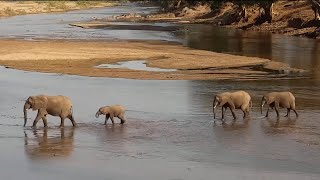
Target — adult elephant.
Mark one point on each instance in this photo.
(54, 105)
(279, 99)
(233, 100)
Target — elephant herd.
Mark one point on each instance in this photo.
(242, 100)
(62, 106)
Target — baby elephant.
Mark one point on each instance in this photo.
(112, 111)
(233, 100)
(279, 99)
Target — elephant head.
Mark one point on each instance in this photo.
(34, 102)
(218, 100)
(98, 114)
(263, 102)
(267, 99)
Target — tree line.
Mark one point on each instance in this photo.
(266, 6)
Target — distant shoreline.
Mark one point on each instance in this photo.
(14, 8)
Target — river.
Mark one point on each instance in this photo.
(170, 132)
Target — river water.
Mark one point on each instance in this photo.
(170, 132)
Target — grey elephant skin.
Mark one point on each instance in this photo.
(233, 100)
(53, 105)
(111, 112)
(279, 100)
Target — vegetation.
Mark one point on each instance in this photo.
(265, 5)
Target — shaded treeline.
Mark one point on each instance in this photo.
(265, 6)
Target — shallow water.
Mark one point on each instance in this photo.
(134, 65)
(170, 132)
(169, 135)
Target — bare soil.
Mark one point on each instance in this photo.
(80, 58)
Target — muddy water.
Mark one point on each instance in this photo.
(169, 135)
(170, 132)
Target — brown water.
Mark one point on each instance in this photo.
(297, 52)
(170, 132)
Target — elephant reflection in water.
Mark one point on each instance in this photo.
(289, 123)
(43, 146)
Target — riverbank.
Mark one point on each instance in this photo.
(295, 18)
(81, 58)
(12, 8)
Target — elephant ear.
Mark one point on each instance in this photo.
(270, 99)
(223, 100)
(38, 102)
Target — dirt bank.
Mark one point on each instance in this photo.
(80, 58)
(288, 17)
(9, 8)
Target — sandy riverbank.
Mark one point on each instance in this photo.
(9, 8)
(80, 58)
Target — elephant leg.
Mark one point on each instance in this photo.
(123, 120)
(61, 122)
(288, 112)
(111, 117)
(222, 111)
(297, 115)
(233, 113)
(267, 114)
(36, 119)
(244, 114)
(44, 119)
(277, 108)
(244, 110)
(106, 119)
(72, 120)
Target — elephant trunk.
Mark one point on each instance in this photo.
(215, 103)
(25, 108)
(263, 102)
(98, 114)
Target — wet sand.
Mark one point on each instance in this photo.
(81, 57)
(169, 134)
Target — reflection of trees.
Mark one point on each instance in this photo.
(40, 145)
(315, 58)
(217, 39)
